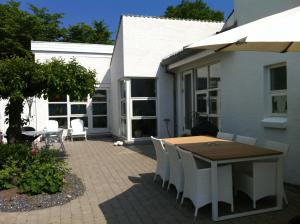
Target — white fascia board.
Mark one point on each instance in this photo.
(44, 46)
(190, 59)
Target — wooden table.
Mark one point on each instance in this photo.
(218, 151)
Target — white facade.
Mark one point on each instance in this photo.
(245, 95)
(141, 44)
(92, 56)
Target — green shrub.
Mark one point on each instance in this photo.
(9, 176)
(31, 173)
(43, 177)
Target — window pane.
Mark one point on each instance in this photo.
(100, 122)
(201, 103)
(278, 78)
(279, 104)
(144, 108)
(214, 76)
(143, 128)
(188, 101)
(214, 120)
(202, 76)
(100, 96)
(123, 89)
(78, 109)
(143, 88)
(62, 122)
(57, 98)
(99, 109)
(213, 102)
(123, 108)
(57, 109)
(85, 120)
(72, 99)
(123, 128)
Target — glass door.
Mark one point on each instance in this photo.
(188, 100)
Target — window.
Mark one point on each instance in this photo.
(58, 109)
(64, 109)
(99, 109)
(207, 95)
(143, 101)
(123, 108)
(278, 89)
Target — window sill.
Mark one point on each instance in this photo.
(275, 122)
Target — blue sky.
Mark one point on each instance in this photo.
(110, 10)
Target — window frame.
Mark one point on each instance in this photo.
(272, 93)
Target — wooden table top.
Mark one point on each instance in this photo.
(217, 149)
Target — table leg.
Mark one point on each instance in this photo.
(279, 178)
(214, 191)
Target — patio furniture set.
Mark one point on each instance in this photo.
(53, 134)
(211, 170)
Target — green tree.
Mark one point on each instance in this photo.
(18, 28)
(98, 33)
(193, 10)
(21, 78)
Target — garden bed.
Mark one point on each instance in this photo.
(12, 201)
(32, 179)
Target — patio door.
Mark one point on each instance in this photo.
(187, 96)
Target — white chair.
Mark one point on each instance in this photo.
(53, 134)
(260, 181)
(245, 140)
(176, 170)
(225, 136)
(162, 166)
(197, 182)
(77, 129)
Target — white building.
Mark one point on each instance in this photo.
(248, 93)
(144, 88)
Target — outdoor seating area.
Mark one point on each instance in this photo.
(223, 167)
(120, 189)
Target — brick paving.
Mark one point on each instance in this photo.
(119, 189)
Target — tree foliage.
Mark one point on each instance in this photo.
(98, 33)
(21, 78)
(19, 27)
(193, 10)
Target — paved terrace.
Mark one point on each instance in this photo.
(119, 189)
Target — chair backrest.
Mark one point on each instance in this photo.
(52, 125)
(173, 156)
(159, 149)
(279, 146)
(245, 140)
(189, 166)
(77, 125)
(225, 136)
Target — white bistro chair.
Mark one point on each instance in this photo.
(225, 136)
(176, 169)
(77, 129)
(245, 140)
(53, 134)
(197, 182)
(260, 181)
(162, 165)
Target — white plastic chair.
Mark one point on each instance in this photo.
(162, 166)
(53, 134)
(197, 182)
(245, 140)
(225, 136)
(77, 129)
(260, 182)
(176, 169)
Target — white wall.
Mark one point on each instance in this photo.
(249, 10)
(145, 42)
(116, 72)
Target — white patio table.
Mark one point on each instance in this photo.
(217, 151)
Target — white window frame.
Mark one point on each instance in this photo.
(273, 93)
(208, 95)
